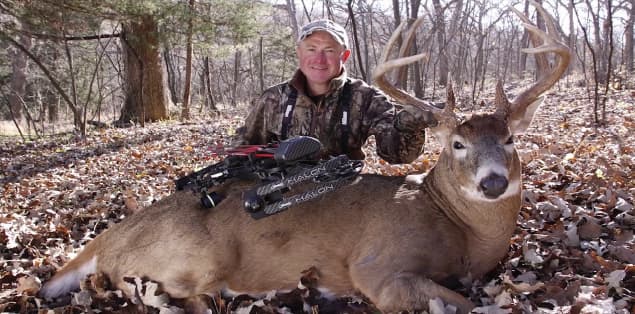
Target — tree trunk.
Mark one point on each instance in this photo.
(400, 74)
(542, 64)
(50, 98)
(444, 68)
(628, 42)
(416, 71)
(18, 78)
(170, 67)
(293, 21)
(146, 95)
(572, 36)
(185, 109)
(351, 13)
(522, 66)
(366, 33)
(209, 95)
(237, 61)
(598, 45)
(261, 65)
(478, 62)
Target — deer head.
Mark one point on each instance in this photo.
(481, 148)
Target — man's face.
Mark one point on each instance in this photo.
(321, 58)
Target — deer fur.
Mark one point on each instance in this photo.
(382, 236)
(385, 237)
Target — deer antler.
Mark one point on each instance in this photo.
(551, 43)
(517, 107)
(443, 116)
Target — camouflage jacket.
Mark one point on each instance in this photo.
(371, 113)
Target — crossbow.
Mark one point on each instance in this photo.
(278, 167)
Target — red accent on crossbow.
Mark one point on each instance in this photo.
(258, 151)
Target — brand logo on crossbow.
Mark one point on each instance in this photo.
(313, 172)
(315, 193)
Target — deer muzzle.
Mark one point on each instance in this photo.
(493, 185)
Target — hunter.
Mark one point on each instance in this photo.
(322, 101)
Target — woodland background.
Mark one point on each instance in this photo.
(104, 103)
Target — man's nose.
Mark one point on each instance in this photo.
(321, 56)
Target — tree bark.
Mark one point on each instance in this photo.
(400, 74)
(51, 99)
(293, 21)
(572, 36)
(628, 42)
(599, 44)
(18, 77)
(170, 67)
(351, 13)
(209, 95)
(146, 95)
(366, 34)
(522, 65)
(237, 62)
(185, 109)
(417, 77)
(439, 22)
(261, 65)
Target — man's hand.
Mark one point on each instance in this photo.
(411, 119)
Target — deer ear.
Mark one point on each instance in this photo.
(520, 119)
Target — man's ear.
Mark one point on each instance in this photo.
(345, 55)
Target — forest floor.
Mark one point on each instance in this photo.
(573, 250)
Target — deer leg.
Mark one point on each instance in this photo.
(409, 291)
(197, 305)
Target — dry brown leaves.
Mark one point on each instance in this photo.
(573, 250)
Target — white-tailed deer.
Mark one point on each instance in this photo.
(391, 240)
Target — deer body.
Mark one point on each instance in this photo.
(392, 240)
(382, 236)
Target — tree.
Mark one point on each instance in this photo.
(355, 38)
(146, 93)
(185, 110)
(628, 34)
(18, 77)
(439, 25)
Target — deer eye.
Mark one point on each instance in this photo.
(510, 141)
(458, 145)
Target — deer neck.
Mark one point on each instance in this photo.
(487, 225)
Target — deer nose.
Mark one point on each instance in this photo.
(494, 185)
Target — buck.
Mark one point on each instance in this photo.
(391, 240)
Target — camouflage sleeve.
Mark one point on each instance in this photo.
(400, 135)
(255, 129)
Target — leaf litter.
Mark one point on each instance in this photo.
(573, 249)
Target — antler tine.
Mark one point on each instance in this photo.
(407, 46)
(501, 102)
(550, 44)
(391, 42)
(385, 65)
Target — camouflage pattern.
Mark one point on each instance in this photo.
(399, 135)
